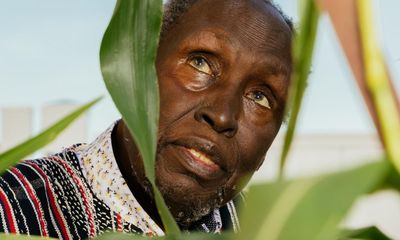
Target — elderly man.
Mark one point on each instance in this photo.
(223, 68)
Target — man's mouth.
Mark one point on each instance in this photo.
(202, 158)
(198, 162)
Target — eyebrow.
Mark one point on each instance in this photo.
(275, 65)
(219, 41)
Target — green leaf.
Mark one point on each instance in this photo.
(370, 233)
(303, 46)
(21, 237)
(309, 208)
(122, 236)
(16, 154)
(391, 180)
(127, 58)
(379, 85)
(187, 236)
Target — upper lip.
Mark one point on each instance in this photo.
(206, 147)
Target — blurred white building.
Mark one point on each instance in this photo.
(76, 133)
(18, 125)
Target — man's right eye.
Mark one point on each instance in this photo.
(259, 98)
(201, 64)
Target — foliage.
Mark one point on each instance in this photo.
(379, 84)
(127, 57)
(191, 236)
(20, 237)
(368, 233)
(309, 208)
(303, 46)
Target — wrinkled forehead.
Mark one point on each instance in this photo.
(254, 24)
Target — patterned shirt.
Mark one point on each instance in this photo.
(81, 193)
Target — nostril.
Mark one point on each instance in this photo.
(230, 132)
(220, 122)
(208, 120)
(219, 125)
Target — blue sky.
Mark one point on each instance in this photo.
(49, 53)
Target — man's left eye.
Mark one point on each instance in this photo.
(200, 64)
(259, 98)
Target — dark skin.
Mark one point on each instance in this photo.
(223, 73)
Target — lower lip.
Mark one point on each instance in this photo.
(207, 171)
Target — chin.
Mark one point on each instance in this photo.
(187, 200)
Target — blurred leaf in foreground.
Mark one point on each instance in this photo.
(379, 85)
(4, 236)
(303, 47)
(127, 57)
(16, 154)
(309, 208)
(187, 236)
(391, 181)
(354, 25)
(370, 233)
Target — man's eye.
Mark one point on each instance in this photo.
(201, 64)
(259, 98)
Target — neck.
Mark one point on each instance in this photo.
(132, 169)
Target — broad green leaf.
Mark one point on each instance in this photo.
(309, 208)
(21, 237)
(392, 180)
(370, 233)
(378, 83)
(123, 236)
(127, 58)
(303, 46)
(187, 236)
(16, 154)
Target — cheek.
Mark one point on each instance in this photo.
(180, 88)
(255, 142)
(175, 100)
(256, 117)
(264, 121)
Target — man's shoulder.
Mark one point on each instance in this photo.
(46, 168)
(54, 171)
(41, 196)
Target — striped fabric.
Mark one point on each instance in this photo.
(80, 193)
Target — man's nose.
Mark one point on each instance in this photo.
(221, 114)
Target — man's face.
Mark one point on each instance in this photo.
(223, 73)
